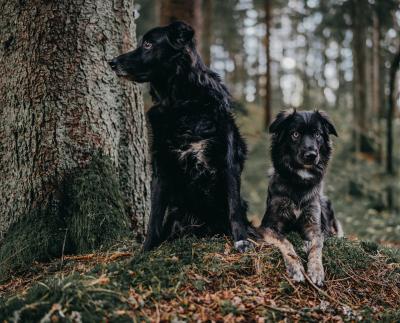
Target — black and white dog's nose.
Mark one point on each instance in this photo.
(310, 156)
(113, 63)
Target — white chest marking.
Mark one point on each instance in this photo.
(304, 174)
(297, 212)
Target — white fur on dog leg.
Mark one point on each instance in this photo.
(242, 245)
(295, 272)
(316, 274)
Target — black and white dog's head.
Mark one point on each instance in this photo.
(301, 146)
(157, 53)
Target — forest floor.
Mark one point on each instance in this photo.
(193, 279)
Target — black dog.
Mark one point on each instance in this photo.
(198, 153)
(300, 149)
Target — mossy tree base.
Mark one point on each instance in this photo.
(88, 215)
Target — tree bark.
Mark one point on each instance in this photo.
(376, 82)
(73, 165)
(268, 87)
(390, 114)
(207, 31)
(189, 11)
(359, 80)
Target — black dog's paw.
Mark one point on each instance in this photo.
(243, 245)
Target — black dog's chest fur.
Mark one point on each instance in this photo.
(184, 140)
(189, 152)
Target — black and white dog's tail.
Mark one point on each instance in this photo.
(330, 224)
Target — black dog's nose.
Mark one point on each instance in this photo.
(310, 156)
(113, 63)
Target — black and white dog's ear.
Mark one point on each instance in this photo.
(280, 120)
(180, 34)
(327, 123)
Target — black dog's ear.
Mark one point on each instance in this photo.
(280, 120)
(326, 121)
(180, 34)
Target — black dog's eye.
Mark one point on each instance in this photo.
(147, 45)
(295, 135)
(317, 134)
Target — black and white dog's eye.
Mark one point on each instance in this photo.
(147, 45)
(317, 135)
(295, 135)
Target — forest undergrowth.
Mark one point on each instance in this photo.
(194, 279)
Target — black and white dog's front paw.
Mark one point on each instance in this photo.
(243, 245)
(316, 273)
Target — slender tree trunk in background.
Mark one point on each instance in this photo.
(306, 78)
(268, 87)
(73, 164)
(207, 31)
(376, 82)
(390, 114)
(341, 80)
(359, 80)
(189, 11)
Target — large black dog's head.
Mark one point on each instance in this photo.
(153, 58)
(301, 146)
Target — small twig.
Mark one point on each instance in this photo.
(157, 312)
(63, 248)
(255, 242)
(322, 291)
(281, 309)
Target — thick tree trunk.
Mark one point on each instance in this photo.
(188, 11)
(268, 88)
(390, 114)
(73, 163)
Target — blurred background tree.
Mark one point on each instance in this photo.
(341, 56)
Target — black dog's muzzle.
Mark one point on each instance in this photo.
(113, 64)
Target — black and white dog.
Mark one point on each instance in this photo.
(198, 152)
(300, 150)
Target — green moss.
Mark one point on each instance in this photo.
(228, 307)
(341, 255)
(89, 216)
(165, 266)
(93, 206)
(37, 237)
(370, 247)
(393, 255)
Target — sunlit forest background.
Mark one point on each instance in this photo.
(340, 56)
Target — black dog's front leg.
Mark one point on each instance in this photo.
(237, 211)
(158, 206)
